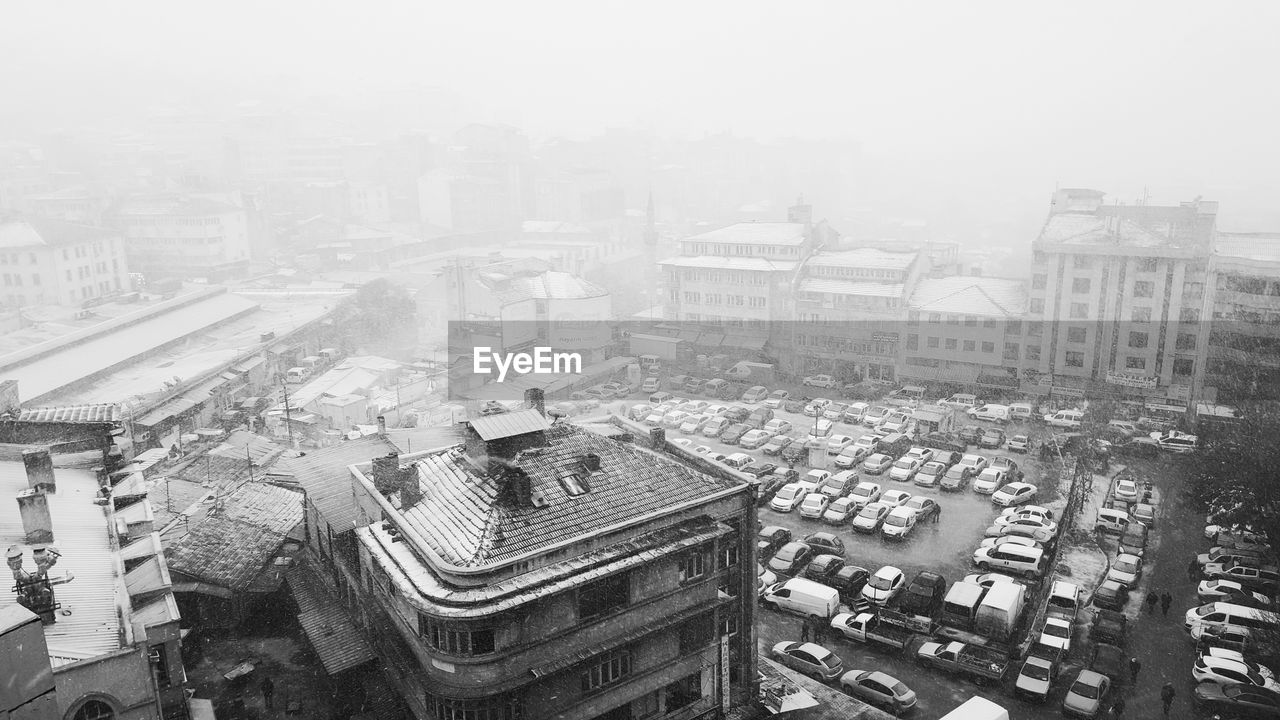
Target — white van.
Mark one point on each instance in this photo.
(737, 461)
(1219, 613)
(651, 385)
(1019, 559)
(297, 375)
(659, 397)
(961, 401)
(803, 597)
(1022, 411)
(991, 412)
(1112, 521)
(329, 355)
(1064, 419)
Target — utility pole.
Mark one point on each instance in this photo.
(287, 422)
(248, 457)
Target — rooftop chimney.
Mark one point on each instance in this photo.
(536, 399)
(389, 477)
(33, 506)
(382, 426)
(39, 466)
(591, 462)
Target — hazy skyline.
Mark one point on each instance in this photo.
(1172, 95)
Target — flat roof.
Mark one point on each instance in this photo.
(867, 258)
(96, 597)
(755, 233)
(721, 262)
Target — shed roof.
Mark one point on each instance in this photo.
(502, 425)
(326, 476)
(93, 413)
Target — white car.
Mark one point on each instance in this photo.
(895, 423)
(1126, 569)
(1010, 540)
(840, 510)
(816, 406)
(836, 444)
(754, 439)
(682, 442)
(850, 457)
(875, 415)
(693, 424)
(834, 411)
(1056, 633)
(1037, 510)
(1035, 678)
(899, 523)
(923, 454)
(1030, 519)
(778, 426)
(887, 582)
(1013, 494)
(1127, 490)
(822, 381)
(1224, 671)
(1175, 442)
(814, 505)
(702, 449)
(865, 494)
(695, 406)
(655, 418)
(990, 480)
(788, 497)
(814, 479)
(904, 469)
(986, 580)
(894, 498)
(975, 461)
(776, 399)
(1232, 592)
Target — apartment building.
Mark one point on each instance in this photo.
(965, 331)
(1243, 353)
(1118, 296)
(185, 236)
(44, 261)
(540, 570)
(849, 307)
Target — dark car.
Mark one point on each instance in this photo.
(924, 595)
(822, 567)
(760, 470)
(1139, 447)
(1109, 626)
(794, 406)
(1110, 661)
(970, 434)
(825, 542)
(945, 442)
(849, 581)
(1134, 539)
(770, 538)
(947, 457)
(926, 508)
(1239, 699)
(790, 558)
(734, 433)
(771, 484)
(737, 414)
(991, 438)
(956, 477)
(1111, 595)
(795, 452)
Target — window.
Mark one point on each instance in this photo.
(1038, 281)
(1189, 314)
(160, 663)
(951, 343)
(1144, 288)
(970, 321)
(684, 692)
(1141, 314)
(1033, 352)
(1075, 358)
(1037, 305)
(1082, 262)
(603, 596)
(1137, 339)
(1011, 352)
(730, 555)
(1077, 334)
(1186, 341)
(501, 707)
(1080, 286)
(932, 342)
(1013, 327)
(988, 347)
(1147, 265)
(611, 669)
(935, 317)
(913, 342)
(693, 565)
(1183, 366)
(1079, 310)
(94, 710)
(455, 640)
(1135, 363)
(696, 633)
(970, 345)
(953, 319)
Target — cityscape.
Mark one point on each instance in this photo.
(532, 363)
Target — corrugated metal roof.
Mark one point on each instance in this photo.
(502, 425)
(332, 634)
(755, 233)
(95, 413)
(81, 533)
(324, 474)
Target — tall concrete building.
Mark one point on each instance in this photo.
(185, 236)
(1118, 298)
(45, 261)
(965, 331)
(542, 570)
(1243, 353)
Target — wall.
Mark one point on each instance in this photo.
(122, 679)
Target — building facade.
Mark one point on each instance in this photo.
(44, 261)
(1243, 355)
(184, 236)
(965, 331)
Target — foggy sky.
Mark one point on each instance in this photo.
(1177, 95)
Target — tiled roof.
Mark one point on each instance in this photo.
(866, 258)
(964, 295)
(755, 233)
(324, 474)
(493, 427)
(464, 521)
(731, 263)
(33, 231)
(217, 469)
(101, 412)
(262, 451)
(332, 634)
(849, 287)
(224, 552)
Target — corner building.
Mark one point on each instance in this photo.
(543, 570)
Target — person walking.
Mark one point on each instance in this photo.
(819, 633)
(1134, 667)
(1152, 599)
(1167, 694)
(1165, 601)
(1193, 569)
(268, 690)
(804, 630)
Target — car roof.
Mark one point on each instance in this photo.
(1090, 677)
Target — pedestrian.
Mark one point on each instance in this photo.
(1193, 569)
(819, 632)
(804, 630)
(1117, 708)
(1134, 667)
(1167, 694)
(937, 515)
(1165, 601)
(268, 689)
(1152, 599)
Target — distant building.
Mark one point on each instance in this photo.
(185, 236)
(1242, 348)
(44, 261)
(543, 570)
(965, 331)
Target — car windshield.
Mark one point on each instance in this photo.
(1126, 566)
(788, 552)
(880, 582)
(1035, 672)
(896, 520)
(903, 464)
(869, 512)
(861, 491)
(1085, 690)
(1057, 630)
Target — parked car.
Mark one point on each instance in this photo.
(769, 538)
(970, 434)
(776, 399)
(790, 558)
(815, 407)
(834, 411)
(877, 464)
(1019, 443)
(825, 542)
(851, 456)
(956, 477)
(990, 480)
(1086, 695)
(870, 517)
(1230, 591)
(930, 474)
(840, 510)
(898, 523)
(865, 493)
(1013, 494)
(754, 439)
(925, 508)
(875, 415)
(755, 394)
(814, 505)
(777, 444)
(734, 433)
(788, 497)
(809, 659)
(1243, 700)
(904, 470)
(1229, 671)
(975, 461)
(894, 498)
(836, 444)
(879, 689)
(924, 594)
(1126, 569)
(820, 381)
(1111, 595)
(991, 438)
(822, 567)
(884, 585)
(849, 581)
(778, 426)
(1036, 510)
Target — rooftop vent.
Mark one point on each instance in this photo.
(573, 482)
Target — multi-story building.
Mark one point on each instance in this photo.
(45, 261)
(1243, 354)
(848, 309)
(188, 236)
(965, 331)
(1118, 296)
(544, 571)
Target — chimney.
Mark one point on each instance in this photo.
(386, 472)
(536, 399)
(39, 466)
(382, 426)
(33, 506)
(591, 462)
(657, 438)
(521, 486)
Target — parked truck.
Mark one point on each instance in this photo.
(671, 351)
(983, 665)
(752, 373)
(1000, 611)
(960, 607)
(867, 627)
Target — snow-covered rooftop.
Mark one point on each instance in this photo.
(719, 262)
(849, 287)
(980, 296)
(755, 233)
(868, 258)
